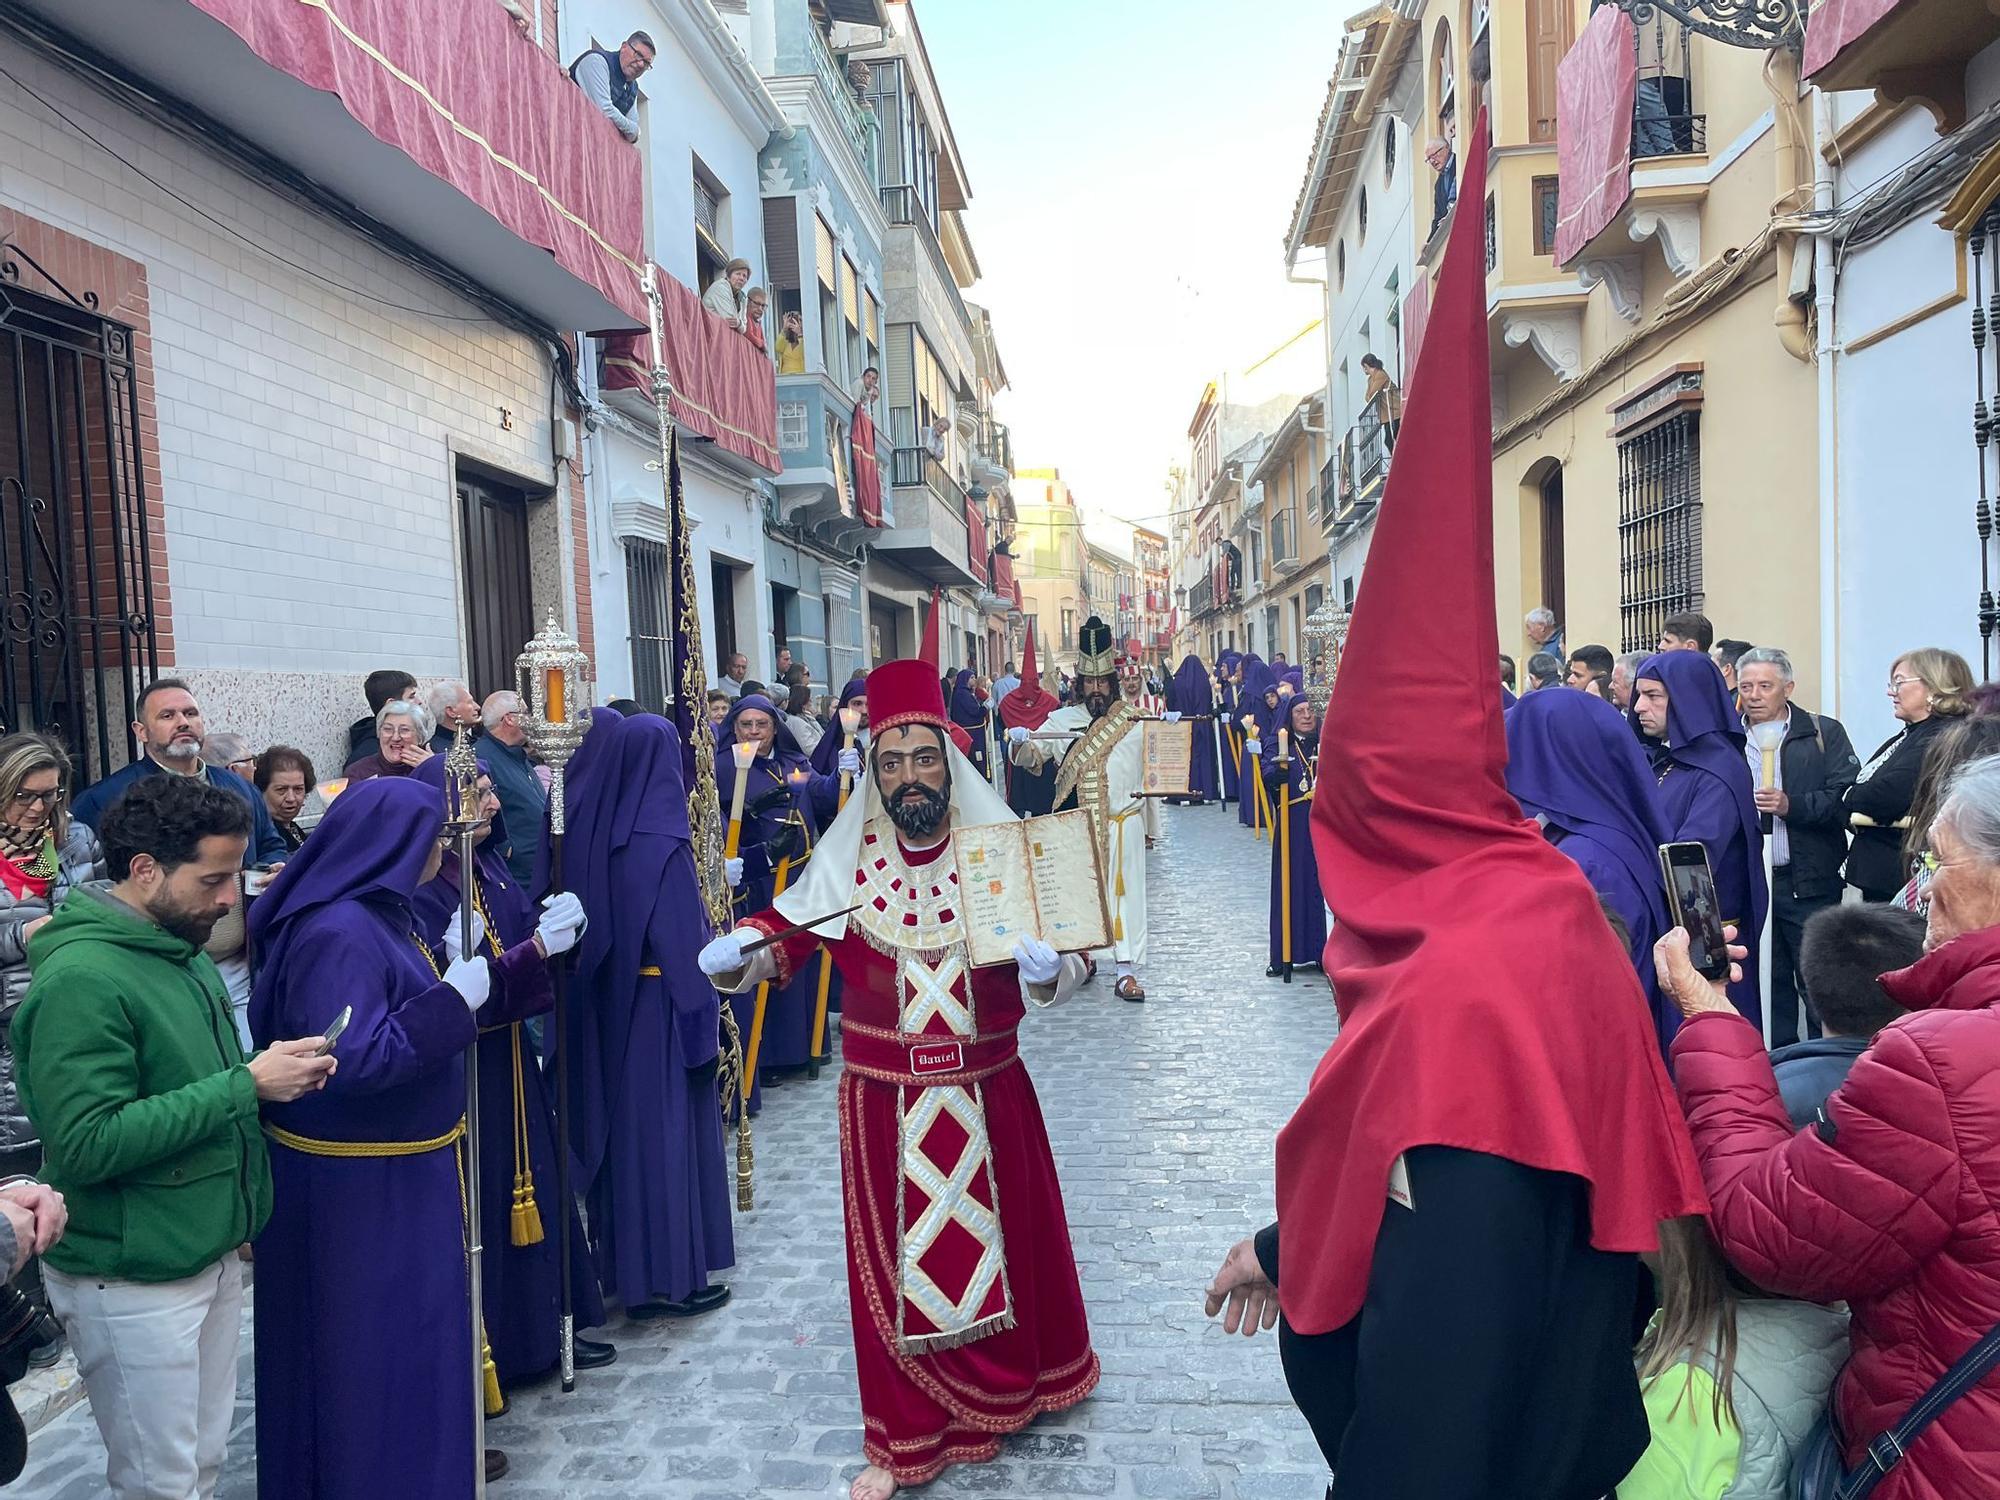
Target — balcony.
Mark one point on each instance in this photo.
(1364, 474)
(911, 231)
(930, 538)
(725, 390)
(448, 130)
(1906, 50)
(1002, 594)
(857, 121)
(1201, 598)
(1285, 543)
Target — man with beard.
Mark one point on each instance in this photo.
(968, 1318)
(169, 728)
(1101, 771)
(129, 1067)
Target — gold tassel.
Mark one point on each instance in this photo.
(494, 1400)
(524, 1222)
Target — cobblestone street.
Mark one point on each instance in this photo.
(1162, 1118)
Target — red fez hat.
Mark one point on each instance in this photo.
(905, 692)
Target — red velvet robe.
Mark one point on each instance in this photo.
(1025, 1348)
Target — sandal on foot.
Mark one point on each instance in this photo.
(1129, 988)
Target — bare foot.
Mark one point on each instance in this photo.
(872, 1484)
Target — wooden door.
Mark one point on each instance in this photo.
(1549, 35)
(499, 598)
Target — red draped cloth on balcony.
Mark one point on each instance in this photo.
(867, 467)
(459, 92)
(1003, 575)
(1596, 84)
(975, 540)
(724, 385)
(1834, 23)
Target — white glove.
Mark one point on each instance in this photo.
(1038, 962)
(1018, 735)
(1253, 747)
(723, 955)
(732, 871)
(850, 762)
(455, 929)
(562, 923)
(1173, 716)
(471, 978)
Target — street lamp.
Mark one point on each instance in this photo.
(1760, 24)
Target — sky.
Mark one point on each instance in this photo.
(1133, 169)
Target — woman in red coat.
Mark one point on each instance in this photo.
(1891, 1202)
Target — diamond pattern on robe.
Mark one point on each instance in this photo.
(930, 994)
(960, 1202)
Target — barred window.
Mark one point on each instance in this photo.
(1659, 527)
(646, 605)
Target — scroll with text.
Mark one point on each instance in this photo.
(1167, 757)
(1040, 877)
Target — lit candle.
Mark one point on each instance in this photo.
(744, 754)
(1284, 745)
(850, 723)
(552, 696)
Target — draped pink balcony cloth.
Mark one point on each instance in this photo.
(1832, 24)
(459, 92)
(1596, 83)
(724, 386)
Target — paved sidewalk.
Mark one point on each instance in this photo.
(1162, 1118)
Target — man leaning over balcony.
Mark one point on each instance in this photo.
(724, 296)
(611, 80)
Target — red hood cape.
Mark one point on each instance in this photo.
(1484, 1002)
(1027, 706)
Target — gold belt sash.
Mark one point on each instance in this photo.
(314, 1147)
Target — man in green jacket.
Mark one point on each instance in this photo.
(131, 1070)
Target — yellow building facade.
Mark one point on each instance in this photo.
(1654, 399)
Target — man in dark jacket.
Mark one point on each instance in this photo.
(1815, 767)
(1846, 951)
(130, 1068)
(170, 731)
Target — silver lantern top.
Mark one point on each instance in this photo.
(1326, 639)
(556, 687)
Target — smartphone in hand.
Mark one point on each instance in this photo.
(332, 1033)
(1693, 904)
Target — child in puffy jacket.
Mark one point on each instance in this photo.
(1732, 1380)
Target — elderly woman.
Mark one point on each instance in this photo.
(404, 731)
(1928, 690)
(284, 778)
(1889, 1202)
(44, 856)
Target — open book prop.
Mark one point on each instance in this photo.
(1040, 877)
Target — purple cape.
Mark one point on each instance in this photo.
(521, 1285)
(1572, 760)
(1308, 902)
(1191, 693)
(1708, 796)
(645, 1123)
(335, 1356)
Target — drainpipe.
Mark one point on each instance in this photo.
(1829, 462)
(1781, 76)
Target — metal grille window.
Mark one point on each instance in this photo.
(77, 632)
(1659, 527)
(1492, 236)
(646, 596)
(1546, 204)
